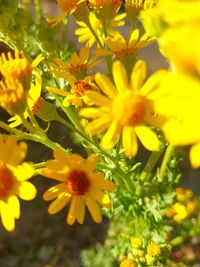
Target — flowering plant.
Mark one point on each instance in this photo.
(114, 110)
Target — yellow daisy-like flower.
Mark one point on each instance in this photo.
(153, 249)
(76, 96)
(127, 263)
(68, 7)
(32, 101)
(13, 180)
(121, 47)
(78, 65)
(124, 108)
(79, 185)
(18, 67)
(84, 34)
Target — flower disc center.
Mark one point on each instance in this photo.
(78, 182)
(129, 108)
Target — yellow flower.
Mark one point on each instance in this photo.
(183, 195)
(17, 67)
(124, 108)
(133, 7)
(12, 96)
(121, 47)
(79, 184)
(32, 101)
(68, 7)
(78, 65)
(136, 242)
(13, 180)
(84, 34)
(127, 263)
(153, 249)
(76, 96)
(186, 59)
(105, 10)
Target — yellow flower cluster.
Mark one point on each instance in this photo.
(184, 206)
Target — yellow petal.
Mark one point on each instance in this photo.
(13, 203)
(106, 85)
(101, 197)
(80, 209)
(98, 99)
(7, 217)
(98, 181)
(111, 136)
(26, 191)
(195, 155)
(133, 38)
(59, 203)
(99, 125)
(23, 172)
(129, 141)
(147, 137)
(72, 214)
(138, 75)
(54, 191)
(93, 209)
(120, 76)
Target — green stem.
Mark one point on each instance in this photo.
(38, 11)
(39, 165)
(27, 125)
(168, 154)
(94, 34)
(151, 163)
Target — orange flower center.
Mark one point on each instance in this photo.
(80, 87)
(126, 52)
(78, 182)
(129, 108)
(5, 180)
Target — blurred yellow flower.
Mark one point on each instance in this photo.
(79, 184)
(124, 108)
(13, 180)
(121, 47)
(84, 34)
(127, 263)
(77, 65)
(136, 242)
(18, 67)
(68, 7)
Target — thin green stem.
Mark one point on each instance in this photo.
(39, 165)
(38, 11)
(168, 154)
(94, 34)
(26, 124)
(151, 163)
